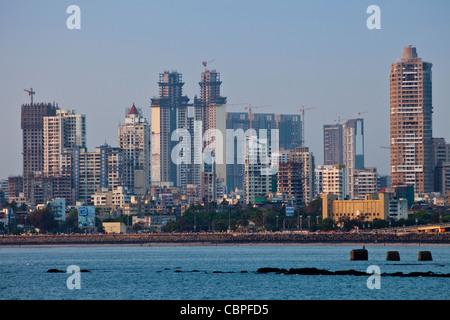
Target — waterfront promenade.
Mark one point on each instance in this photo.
(229, 238)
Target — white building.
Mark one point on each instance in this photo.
(331, 179)
(63, 131)
(57, 207)
(398, 209)
(258, 171)
(134, 140)
(118, 197)
(365, 181)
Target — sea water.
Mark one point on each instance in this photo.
(220, 272)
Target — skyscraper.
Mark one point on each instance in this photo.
(32, 124)
(94, 170)
(411, 122)
(169, 112)
(352, 150)
(306, 158)
(332, 145)
(213, 109)
(331, 180)
(134, 141)
(258, 178)
(289, 137)
(62, 132)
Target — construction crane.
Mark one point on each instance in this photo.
(30, 93)
(338, 120)
(250, 114)
(302, 110)
(205, 63)
(360, 113)
(236, 104)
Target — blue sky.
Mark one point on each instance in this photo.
(279, 53)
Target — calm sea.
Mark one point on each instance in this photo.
(216, 273)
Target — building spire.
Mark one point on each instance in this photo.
(133, 110)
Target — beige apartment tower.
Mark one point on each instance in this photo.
(411, 122)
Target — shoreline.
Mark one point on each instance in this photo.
(230, 239)
(204, 244)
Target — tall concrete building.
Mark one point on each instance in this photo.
(290, 179)
(352, 151)
(62, 132)
(344, 145)
(305, 158)
(331, 180)
(332, 145)
(95, 170)
(411, 122)
(134, 141)
(289, 137)
(258, 178)
(32, 124)
(441, 167)
(211, 106)
(365, 181)
(168, 112)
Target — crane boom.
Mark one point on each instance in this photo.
(30, 93)
(205, 63)
(303, 109)
(250, 114)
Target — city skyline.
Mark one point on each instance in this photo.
(110, 63)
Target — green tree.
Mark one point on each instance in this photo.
(327, 224)
(71, 223)
(44, 220)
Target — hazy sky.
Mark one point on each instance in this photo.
(279, 53)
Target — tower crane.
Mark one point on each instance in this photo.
(338, 120)
(302, 110)
(360, 113)
(30, 93)
(250, 114)
(236, 104)
(205, 63)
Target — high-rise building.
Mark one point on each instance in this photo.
(344, 145)
(306, 158)
(352, 151)
(332, 145)
(290, 180)
(411, 122)
(259, 175)
(289, 128)
(441, 166)
(169, 112)
(134, 141)
(211, 106)
(15, 186)
(62, 132)
(331, 180)
(94, 170)
(32, 124)
(365, 181)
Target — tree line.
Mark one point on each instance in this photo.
(222, 217)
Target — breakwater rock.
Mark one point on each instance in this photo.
(227, 238)
(351, 272)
